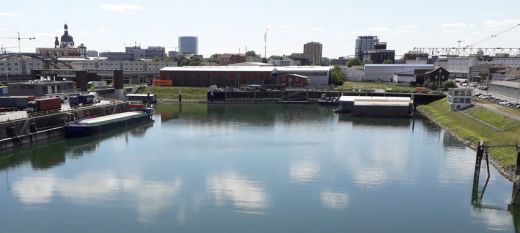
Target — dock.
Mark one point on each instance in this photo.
(28, 130)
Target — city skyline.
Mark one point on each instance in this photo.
(230, 26)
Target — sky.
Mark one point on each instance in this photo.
(229, 26)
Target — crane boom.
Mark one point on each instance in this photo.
(492, 36)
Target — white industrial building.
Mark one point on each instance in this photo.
(385, 72)
(16, 66)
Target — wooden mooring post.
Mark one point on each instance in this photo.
(515, 198)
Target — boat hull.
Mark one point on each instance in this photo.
(88, 130)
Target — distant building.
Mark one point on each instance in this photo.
(300, 59)
(155, 52)
(236, 76)
(281, 61)
(379, 56)
(64, 47)
(226, 59)
(459, 98)
(135, 53)
(173, 53)
(313, 52)
(369, 48)
(341, 61)
(92, 53)
(41, 88)
(385, 72)
(188, 45)
(365, 43)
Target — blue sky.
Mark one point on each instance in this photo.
(229, 25)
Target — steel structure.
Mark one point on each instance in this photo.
(492, 52)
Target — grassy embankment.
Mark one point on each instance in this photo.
(482, 125)
(172, 93)
(388, 87)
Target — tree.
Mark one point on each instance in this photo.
(367, 62)
(449, 84)
(337, 77)
(388, 61)
(353, 62)
(251, 53)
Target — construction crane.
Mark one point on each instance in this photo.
(492, 36)
(19, 41)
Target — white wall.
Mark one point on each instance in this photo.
(385, 72)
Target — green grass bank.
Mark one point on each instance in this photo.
(477, 124)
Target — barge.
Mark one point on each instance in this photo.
(376, 106)
(91, 126)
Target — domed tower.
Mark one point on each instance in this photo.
(66, 40)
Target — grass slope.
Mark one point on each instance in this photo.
(508, 132)
(188, 93)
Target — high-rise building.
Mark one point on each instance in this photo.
(313, 52)
(364, 43)
(188, 45)
(370, 48)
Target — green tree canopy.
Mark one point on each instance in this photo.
(353, 62)
(449, 84)
(337, 77)
(251, 53)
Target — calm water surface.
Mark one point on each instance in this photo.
(252, 168)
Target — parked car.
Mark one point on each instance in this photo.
(473, 84)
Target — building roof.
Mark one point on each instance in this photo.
(399, 65)
(248, 68)
(374, 99)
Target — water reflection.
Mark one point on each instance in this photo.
(95, 188)
(374, 121)
(246, 195)
(334, 200)
(45, 155)
(304, 171)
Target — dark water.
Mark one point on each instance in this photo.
(247, 168)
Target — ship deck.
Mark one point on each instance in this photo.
(109, 117)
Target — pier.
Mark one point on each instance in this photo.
(32, 129)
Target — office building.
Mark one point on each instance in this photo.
(369, 48)
(313, 52)
(188, 45)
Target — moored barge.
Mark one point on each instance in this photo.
(91, 126)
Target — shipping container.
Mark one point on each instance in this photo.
(40, 105)
(16, 102)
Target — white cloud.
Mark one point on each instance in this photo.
(319, 29)
(102, 29)
(453, 27)
(501, 23)
(120, 8)
(12, 13)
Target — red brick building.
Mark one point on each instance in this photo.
(221, 76)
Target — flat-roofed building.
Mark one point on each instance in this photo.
(236, 76)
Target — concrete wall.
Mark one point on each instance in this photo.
(505, 88)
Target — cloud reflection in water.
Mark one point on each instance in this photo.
(248, 196)
(151, 197)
